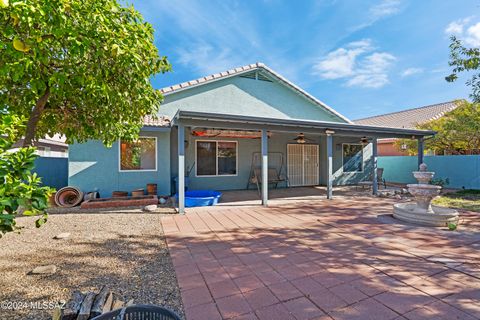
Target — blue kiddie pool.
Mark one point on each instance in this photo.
(201, 198)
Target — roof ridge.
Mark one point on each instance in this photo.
(406, 110)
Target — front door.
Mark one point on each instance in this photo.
(302, 164)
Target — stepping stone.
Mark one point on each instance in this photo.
(63, 235)
(49, 269)
(150, 208)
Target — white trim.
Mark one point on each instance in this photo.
(137, 170)
(363, 164)
(216, 159)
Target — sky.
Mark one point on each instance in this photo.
(361, 57)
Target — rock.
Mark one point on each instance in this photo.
(48, 269)
(150, 208)
(399, 197)
(63, 235)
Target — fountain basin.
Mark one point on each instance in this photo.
(436, 217)
(423, 177)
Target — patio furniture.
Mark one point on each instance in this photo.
(139, 312)
(369, 182)
(275, 167)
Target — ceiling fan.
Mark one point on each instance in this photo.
(301, 139)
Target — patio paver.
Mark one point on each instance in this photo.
(345, 258)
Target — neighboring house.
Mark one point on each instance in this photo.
(409, 119)
(49, 146)
(213, 128)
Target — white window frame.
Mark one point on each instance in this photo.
(137, 170)
(363, 165)
(216, 159)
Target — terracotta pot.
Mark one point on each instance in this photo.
(138, 193)
(152, 189)
(118, 194)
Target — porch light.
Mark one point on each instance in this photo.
(300, 138)
(364, 140)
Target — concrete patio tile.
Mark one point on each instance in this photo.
(223, 288)
(348, 293)
(303, 309)
(403, 302)
(203, 312)
(196, 296)
(248, 283)
(285, 291)
(190, 281)
(233, 306)
(345, 256)
(373, 310)
(260, 298)
(307, 285)
(327, 300)
(249, 316)
(270, 277)
(275, 312)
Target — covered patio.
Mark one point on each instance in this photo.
(328, 134)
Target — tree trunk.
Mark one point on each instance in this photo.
(35, 117)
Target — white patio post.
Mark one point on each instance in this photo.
(181, 169)
(329, 164)
(374, 164)
(264, 167)
(420, 151)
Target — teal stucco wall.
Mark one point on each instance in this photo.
(277, 143)
(462, 171)
(92, 166)
(244, 96)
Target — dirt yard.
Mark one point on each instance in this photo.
(125, 251)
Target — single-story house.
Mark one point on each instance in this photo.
(408, 119)
(222, 129)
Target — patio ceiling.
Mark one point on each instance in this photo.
(239, 122)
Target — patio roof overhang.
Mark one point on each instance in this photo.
(196, 119)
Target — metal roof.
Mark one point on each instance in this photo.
(246, 69)
(215, 120)
(410, 118)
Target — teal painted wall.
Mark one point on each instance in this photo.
(243, 96)
(94, 166)
(462, 171)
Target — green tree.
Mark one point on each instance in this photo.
(464, 59)
(21, 192)
(458, 131)
(81, 68)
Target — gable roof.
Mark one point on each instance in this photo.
(410, 118)
(248, 69)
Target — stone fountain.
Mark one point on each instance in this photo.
(421, 211)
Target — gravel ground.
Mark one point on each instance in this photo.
(125, 251)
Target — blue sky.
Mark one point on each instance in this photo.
(361, 57)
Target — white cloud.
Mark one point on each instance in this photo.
(382, 9)
(457, 27)
(357, 64)
(385, 8)
(468, 33)
(473, 35)
(411, 71)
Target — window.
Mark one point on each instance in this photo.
(352, 157)
(216, 158)
(138, 155)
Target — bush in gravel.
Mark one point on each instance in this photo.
(21, 191)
